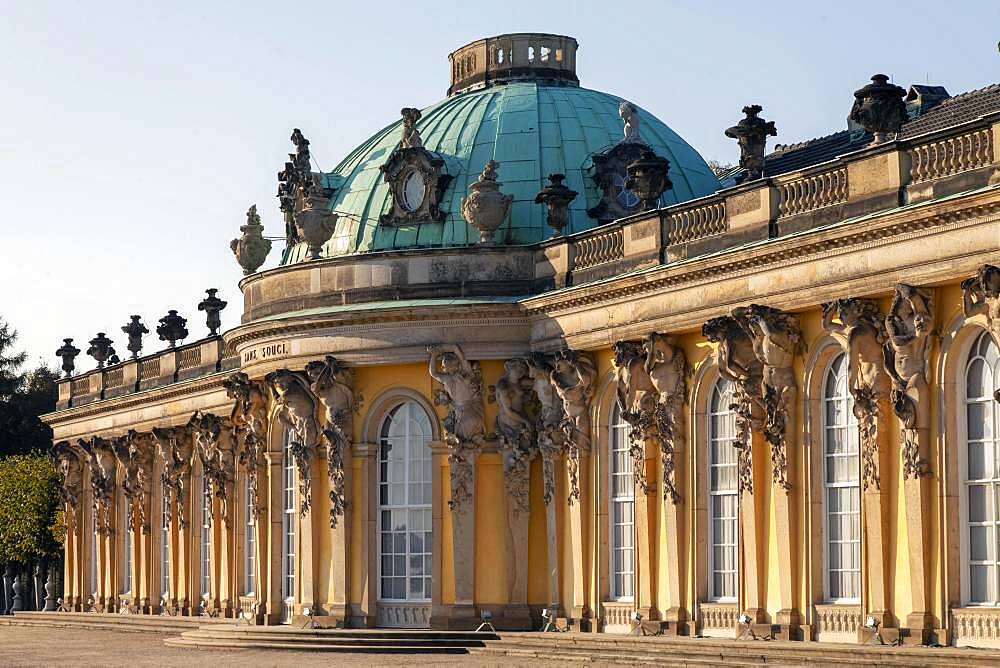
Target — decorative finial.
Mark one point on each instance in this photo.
(411, 136)
(100, 349)
(752, 133)
(556, 198)
(314, 222)
(630, 116)
(647, 178)
(173, 328)
(486, 207)
(212, 306)
(879, 108)
(68, 353)
(252, 248)
(135, 330)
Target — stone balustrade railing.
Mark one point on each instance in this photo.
(32, 586)
(807, 193)
(691, 223)
(592, 250)
(952, 155)
(168, 366)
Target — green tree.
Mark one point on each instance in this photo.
(29, 505)
(24, 395)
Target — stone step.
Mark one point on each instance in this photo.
(126, 623)
(577, 647)
(332, 640)
(613, 658)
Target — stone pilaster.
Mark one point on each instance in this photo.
(362, 608)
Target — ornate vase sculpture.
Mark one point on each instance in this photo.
(556, 198)
(212, 306)
(486, 207)
(251, 248)
(879, 108)
(332, 382)
(172, 328)
(314, 221)
(134, 330)
(295, 408)
(100, 349)
(67, 352)
(752, 133)
(647, 177)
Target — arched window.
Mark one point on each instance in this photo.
(404, 505)
(621, 485)
(723, 507)
(288, 532)
(206, 539)
(164, 543)
(982, 480)
(843, 495)
(249, 544)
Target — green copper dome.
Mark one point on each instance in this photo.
(533, 129)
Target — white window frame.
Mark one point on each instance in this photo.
(426, 508)
(164, 542)
(289, 504)
(963, 463)
(727, 413)
(205, 570)
(851, 432)
(127, 538)
(249, 544)
(618, 433)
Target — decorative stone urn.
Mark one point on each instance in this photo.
(252, 248)
(68, 353)
(172, 328)
(556, 198)
(134, 329)
(314, 222)
(752, 133)
(879, 108)
(647, 178)
(486, 207)
(100, 349)
(212, 306)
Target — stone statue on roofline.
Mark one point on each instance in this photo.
(630, 116)
(411, 136)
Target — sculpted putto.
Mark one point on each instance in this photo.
(295, 408)
(332, 382)
(861, 335)
(411, 136)
(630, 116)
(908, 327)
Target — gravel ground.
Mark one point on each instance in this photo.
(42, 646)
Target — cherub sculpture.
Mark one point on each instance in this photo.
(629, 114)
(411, 136)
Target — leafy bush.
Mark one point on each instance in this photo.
(29, 505)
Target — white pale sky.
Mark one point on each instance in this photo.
(133, 136)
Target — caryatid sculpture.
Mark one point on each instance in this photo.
(175, 446)
(573, 377)
(464, 425)
(548, 425)
(295, 407)
(738, 364)
(332, 381)
(249, 423)
(135, 452)
(216, 449)
(636, 399)
(66, 460)
(981, 296)
(666, 365)
(776, 339)
(515, 431)
(861, 334)
(101, 461)
(908, 327)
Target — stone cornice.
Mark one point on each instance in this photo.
(775, 253)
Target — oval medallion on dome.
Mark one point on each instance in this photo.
(414, 190)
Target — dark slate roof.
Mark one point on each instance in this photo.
(950, 112)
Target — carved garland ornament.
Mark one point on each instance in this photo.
(417, 178)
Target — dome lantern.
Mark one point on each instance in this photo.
(513, 57)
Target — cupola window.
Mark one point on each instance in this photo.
(414, 190)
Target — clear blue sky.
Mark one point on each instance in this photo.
(133, 136)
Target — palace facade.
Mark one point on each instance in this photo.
(525, 353)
